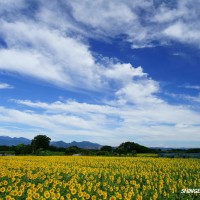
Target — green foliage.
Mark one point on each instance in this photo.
(22, 149)
(72, 150)
(107, 148)
(132, 148)
(7, 152)
(102, 153)
(56, 149)
(50, 153)
(86, 152)
(40, 142)
(195, 150)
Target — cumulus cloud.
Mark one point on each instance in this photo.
(132, 85)
(139, 93)
(124, 73)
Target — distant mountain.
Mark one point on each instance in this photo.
(59, 144)
(8, 141)
(83, 145)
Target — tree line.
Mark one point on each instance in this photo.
(40, 145)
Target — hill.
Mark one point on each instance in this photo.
(9, 141)
(83, 144)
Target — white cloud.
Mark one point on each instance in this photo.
(175, 30)
(106, 17)
(182, 32)
(166, 14)
(29, 63)
(106, 124)
(5, 86)
(49, 55)
(195, 87)
(68, 107)
(189, 98)
(141, 92)
(124, 73)
(159, 21)
(193, 98)
(179, 54)
(132, 85)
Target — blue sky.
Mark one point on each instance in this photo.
(102, 71)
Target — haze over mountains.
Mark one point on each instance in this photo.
(9, 141)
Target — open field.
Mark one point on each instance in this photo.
(68, 177)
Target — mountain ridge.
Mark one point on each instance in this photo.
(13, 141)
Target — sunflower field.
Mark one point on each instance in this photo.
(96, 178)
